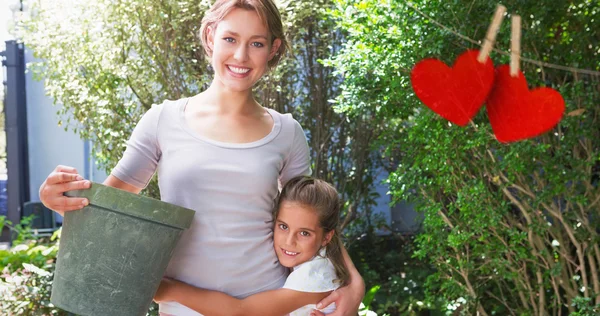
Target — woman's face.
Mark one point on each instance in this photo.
(241, 46)
(297, 236)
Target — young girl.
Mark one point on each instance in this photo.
(223, 155)
(306, 239)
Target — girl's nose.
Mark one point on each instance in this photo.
(290, 239)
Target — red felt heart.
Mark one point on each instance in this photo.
(455, 93)
(517, 113)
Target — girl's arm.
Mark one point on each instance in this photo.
(347, 299)
(212, 303)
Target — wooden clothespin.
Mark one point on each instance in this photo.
(490, 37)
(515, 45)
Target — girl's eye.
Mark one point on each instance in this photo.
(258, 44)
(229, 39)
(282, 226)
(304, 233)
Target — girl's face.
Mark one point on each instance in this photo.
(241, 46)
(297, 235)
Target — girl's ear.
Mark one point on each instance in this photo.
(274, 48)
(327, 238)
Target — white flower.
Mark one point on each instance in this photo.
(36, 270)
(18, 248)
(365, 312)
(555, 243)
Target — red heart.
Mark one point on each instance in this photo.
(455, 93)
(517, 113)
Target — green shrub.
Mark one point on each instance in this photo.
(395, 281)
(26, 291)
(27, 272)
(509, 228)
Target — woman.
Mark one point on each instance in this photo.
(223, 155)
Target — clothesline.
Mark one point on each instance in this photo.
(529, 60)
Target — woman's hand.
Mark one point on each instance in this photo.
(347, 299)
(61, 180)
(165, 290)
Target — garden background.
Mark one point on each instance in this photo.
(508, 229)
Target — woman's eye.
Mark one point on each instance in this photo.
(305, 233)
(229, 39)
(258, 44)
(282, 226)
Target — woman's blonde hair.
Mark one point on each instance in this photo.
(267, 12)
(324, 199)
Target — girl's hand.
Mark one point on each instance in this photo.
(165, 290)
(347, 300)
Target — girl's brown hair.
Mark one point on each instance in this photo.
(267, 12)
(324, 199)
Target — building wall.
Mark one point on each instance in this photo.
(400, 217)
(49, 144)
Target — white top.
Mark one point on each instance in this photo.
(229, 246)
(314, 276)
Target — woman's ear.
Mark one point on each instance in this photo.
(210, 38)
(327, 238)
(274, 48)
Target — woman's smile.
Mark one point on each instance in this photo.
(238, 71)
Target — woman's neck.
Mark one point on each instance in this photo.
(231, 102)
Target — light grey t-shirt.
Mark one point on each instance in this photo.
(231, 187)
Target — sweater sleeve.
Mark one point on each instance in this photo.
(140, 159)
(298, 160)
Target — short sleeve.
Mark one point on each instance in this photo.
(315, 276)
(140, 159)
(297, 161)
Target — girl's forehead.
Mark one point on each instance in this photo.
(297, 213)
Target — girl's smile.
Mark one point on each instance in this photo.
(297, 235)
(289, 253)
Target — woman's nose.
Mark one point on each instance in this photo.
(241, 53)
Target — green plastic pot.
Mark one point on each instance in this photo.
(113, 253)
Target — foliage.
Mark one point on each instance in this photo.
(20, 231)
(27, 291)
(510, 228)
(394, 279)
(27, 269)
(584, 307)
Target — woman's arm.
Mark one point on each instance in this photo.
(115, 182)
(347, 299)
(212, 303)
